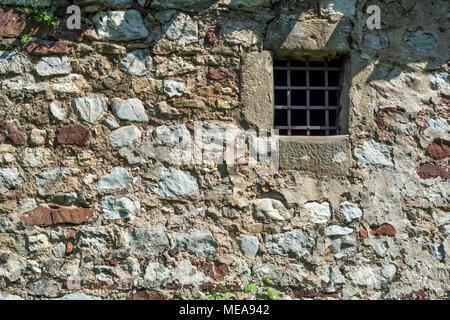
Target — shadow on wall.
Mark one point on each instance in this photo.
(407, 35)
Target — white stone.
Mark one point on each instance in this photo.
(11, 266)
(290, 243)
(130, 110)
(374, 155)
(90, 109)
(136, 63)
(335, 230)
(272, 209)
(187, 274)
(120, 25)
(9, 178)
(10, 63)
(249, 245)
(50, 66)
(200, 242)
(156, 275)
(117, 179)
(175, 183)
(181, 29)
(345, 8)
(124, 136)
(172, 136)
(51, 176)
(318, 212)
(5, 296)
(78, 296)
(174, 88)
(38, 243)
(121, 208)
(350, 210)
(59, 250)
(336, 276)
(33, 158)
(363, 276)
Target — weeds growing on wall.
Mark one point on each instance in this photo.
(258, 292)
(40, 14)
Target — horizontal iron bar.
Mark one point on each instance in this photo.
(308, 68)
(306, 88)
(306, 107)
(307, 127)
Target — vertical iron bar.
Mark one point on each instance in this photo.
(327, 112)
(289, 97)
(307, 98)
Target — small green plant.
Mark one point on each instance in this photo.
(215, 296)
(41, 14)
(25, 38)
(251, 287)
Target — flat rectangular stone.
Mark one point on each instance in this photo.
(257, 89)
(286, 35)
(324, 155)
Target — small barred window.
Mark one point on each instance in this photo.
(307, 95)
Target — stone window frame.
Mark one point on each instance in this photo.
(314, 155)
(327, 107)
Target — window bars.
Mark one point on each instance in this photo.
(307, 97)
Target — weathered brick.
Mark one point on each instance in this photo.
(428, 171)
(9, 134)
(50, 215)
(12, 23)
(73, 134)
(384, 230)
(212, 34)
(438, 151)
(45, 47)
(219, 74)
(148, 295)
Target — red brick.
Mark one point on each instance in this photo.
(416, 295)
(212, 34)
(69, 248)
(158, 121)
(438, 151)
(219, 74)
(428, 171)
(384, 230)
(9, 134)
(13, 194)
(305, 293)
(148, 295)
(111, 262)
(216, 271)
(53, 214)
(380, 123)
(363, 233)
(74, 134)
(392, 110)
(12, 23)
(45, 47)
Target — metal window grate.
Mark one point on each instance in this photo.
(307, 97)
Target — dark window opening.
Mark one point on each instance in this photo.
(307, 97)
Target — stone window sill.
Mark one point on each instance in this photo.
(316, 155)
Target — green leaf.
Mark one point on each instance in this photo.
(25, 38)
(250, 287)
(266, 279)
(272, 294)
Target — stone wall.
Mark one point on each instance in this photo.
(95, 202)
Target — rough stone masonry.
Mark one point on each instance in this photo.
(95, 204)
